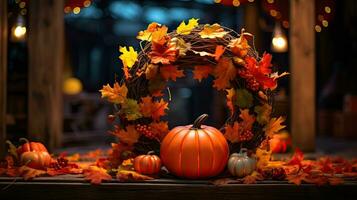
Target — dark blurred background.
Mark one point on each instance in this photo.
(94, 29)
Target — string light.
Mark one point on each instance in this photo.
(18, 31)
(87, 3)
(236, 3)
(325, 23)
(67, 9)
(318, 28)
(327, 9)
(279, 42)
(76, 10)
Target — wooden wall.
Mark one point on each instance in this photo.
(46, 53)
(3, 74)
(302, 65)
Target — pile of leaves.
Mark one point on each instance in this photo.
(207, 50)
(325, 170)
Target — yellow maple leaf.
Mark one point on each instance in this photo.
(185, 29)
(263, 157)
(232, 132)
(212, 31)
(116, 94)
(180, 45)
(128, 56)
(129, 136)
(146, 35)
(274, 126)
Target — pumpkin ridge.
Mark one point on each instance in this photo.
(212, 149)
(172, 139)
(180, 155)
(197, 144)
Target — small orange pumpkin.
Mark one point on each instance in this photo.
(195, 151)
(147, 164)
(34, 154)
(280, 143)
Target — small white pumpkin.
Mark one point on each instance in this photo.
(240, 165)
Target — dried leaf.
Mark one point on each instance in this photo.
(276, 75)
(224, 73)
(231, 97)
(212, 31)
(159, 37)
(129, 136)
(126, 175)
(180, 45)
(96, 175)
(297, 178)
(244, 99)
(29, 173)
(128, 57)
(164, 54)
(12, 149)
(151, 71)
(263, 157)
(171, 72)
(232, 132)
(202, 71)
(185, 29)
(131, 109)
(147, 34)
(159, 129)
(116, 94)
(153, 109)
(248, 119)
(297, 158)
(240, 46)
(274, 126)
(263, 113)
(219, 52)
(253, 178)
(203, 53)
(335, 181)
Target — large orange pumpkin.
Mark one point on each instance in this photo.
(195, 151)
(34, 154)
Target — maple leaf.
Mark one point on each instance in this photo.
(160, 37)
(297, 158)
(219, 52)
(96, 175)
(263, 157)
(240, 46)
(335, 181)
(171, 72)
(156, 85)
(297, 178)
(231, 95)
(248, 119)
(128, 57)
(274, 126)
(185, 29)
(212, 31)
(117, 152)
(127, 175)
(244, 99)
(131, 109)
(146, 34)
(159, 129)
(325, 165)
(129, 136)
(263, 113)
(276, 75)
(164, 54)
(253, 178)
(202, 71)
(116, 94)
(180, 45)
(29, 173)
(224, 72)
(2, 171)
(153, 109)
(232, 132)
(151, 71)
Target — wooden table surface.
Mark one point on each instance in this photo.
(75, 187)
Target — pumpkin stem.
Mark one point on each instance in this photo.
(198, 122)
(243, 151)
(150, 152)
(25, 140)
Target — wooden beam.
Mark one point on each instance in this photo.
(46, 52)
(302, 62)
(251, 22)
(3, 74)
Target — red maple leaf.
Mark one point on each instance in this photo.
(297, 158)
(170, 72)
(164, 54)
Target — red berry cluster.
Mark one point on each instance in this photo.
(60, 162)
(246, 135)
(145, 130)
(252, 83)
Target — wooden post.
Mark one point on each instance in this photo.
(251, 22)
(46, 58)
(3, 74)
(302, 62)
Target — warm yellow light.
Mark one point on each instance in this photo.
(279, 42)
(76, 10)
(327, 9)
(217, 1)
(270, 1)
(72, 86)
(22, 4)
(86, 3)
(285, 24)
(67, 9)
(273, 13)
(318, 28)
(19, 31)
(23, 11)
(325, 23)
(236, 3)
(251, 1)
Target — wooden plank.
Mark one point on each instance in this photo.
(251, 23)
(46, 53)
(3, 74)
(302, 62)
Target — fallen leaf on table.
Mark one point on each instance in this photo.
(171, 72)
(253, 178)
(297, 158)
(126, 175)
(212, 31)
(335, 181)
(30, 173)
(96, 175)
(325, 165)
(129, 136)
(297, 178)
(202, 71)
(116, 94)
(224, 73)
(185, 29)
(274, 126)
(232, 132)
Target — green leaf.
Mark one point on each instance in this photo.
(263, 113)
(244, 98)
(131, 109)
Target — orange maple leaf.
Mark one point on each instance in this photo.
(224, 72)
(30, 173)
(240, 46)
(154, 109)
(297, 178)
(231, 93)
(212, 31)
(160, 36)
(160, 129)
(253, 178)
(219, 52)
(248, 119)
(116, 94)
(274, 126)
(127, 175)
(128, 136)
(151, 71)
(96, 175)
(202, 71)
(146, 34)
(232, 132)
(171, 72)
(164, 54)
